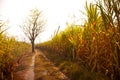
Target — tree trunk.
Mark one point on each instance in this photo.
(33, 46)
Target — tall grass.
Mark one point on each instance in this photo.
(94, 47)
(11, 52)
(66, 42)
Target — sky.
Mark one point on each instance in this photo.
(56, 12)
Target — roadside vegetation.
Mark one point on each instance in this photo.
(11, 53)
(90, 51)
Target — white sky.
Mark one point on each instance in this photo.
(57, 13)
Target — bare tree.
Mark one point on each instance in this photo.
(33, 26)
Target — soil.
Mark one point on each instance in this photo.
(36, 66)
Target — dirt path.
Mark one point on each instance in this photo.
(25, 70)
(45, 70)
(38, 67)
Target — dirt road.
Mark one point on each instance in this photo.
(25, 70)
(45, 70)
(38, 67)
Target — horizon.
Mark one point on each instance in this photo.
(56, 12)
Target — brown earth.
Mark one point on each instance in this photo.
(38, 67)
(25, 70)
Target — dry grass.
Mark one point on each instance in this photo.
(94, 46)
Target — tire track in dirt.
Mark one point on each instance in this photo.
(38, 67)
(45, 70)
(26, 68)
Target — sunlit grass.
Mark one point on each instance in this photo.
(11, 53)
(94, 47)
